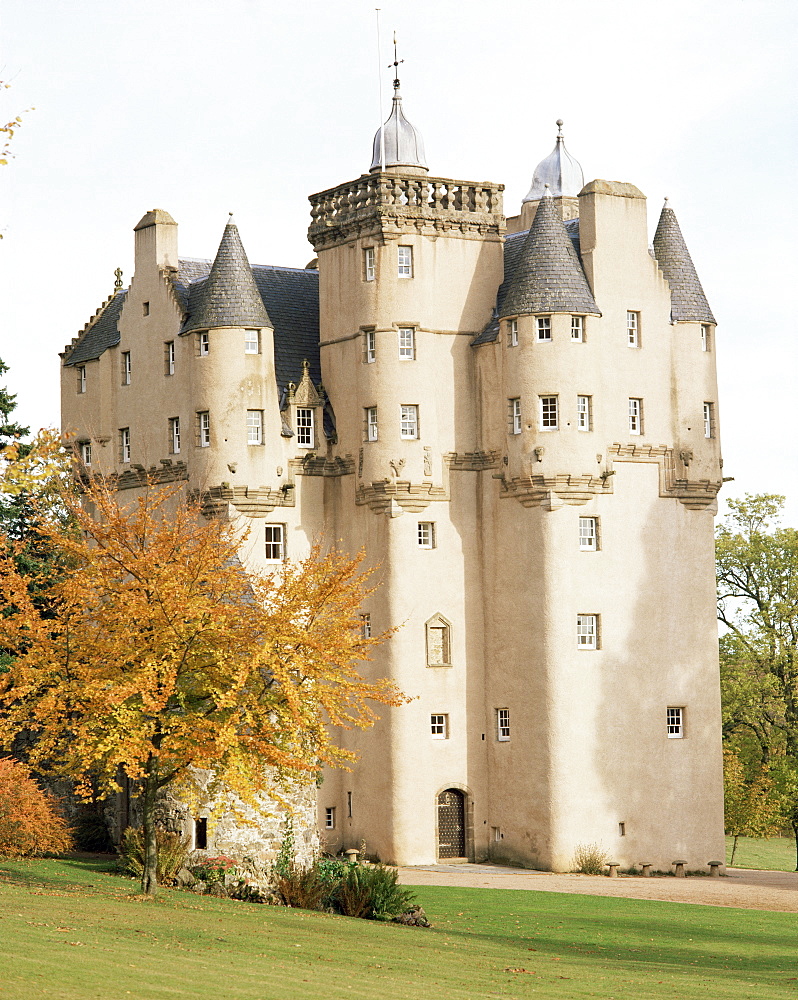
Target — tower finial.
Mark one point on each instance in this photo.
(118, 281)
(396, 62)
(559, 130)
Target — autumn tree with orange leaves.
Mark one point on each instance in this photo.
(161, 654)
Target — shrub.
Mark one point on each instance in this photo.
(214, 869)
(29, 823)
(372, 893)
(303, 888)
(590, 859)
(172, 853)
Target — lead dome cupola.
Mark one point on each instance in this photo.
(403, 145)
(560, 172)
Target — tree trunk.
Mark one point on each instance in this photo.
(149, 876)
(734, 848)
(795, 831)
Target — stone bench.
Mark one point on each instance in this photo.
(646, 866)
(714, 868)
(613, 868)
(679, 866)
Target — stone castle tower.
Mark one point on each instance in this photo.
(517, 420)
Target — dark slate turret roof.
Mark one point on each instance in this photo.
(229, 296)
(688, 302)
(548, 276)
(102, 334)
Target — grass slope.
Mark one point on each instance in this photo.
(776, 854)
(71, 931)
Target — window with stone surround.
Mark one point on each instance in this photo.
(635, 416)
(549, 413)
(438, 642)
(514, 415)
(174, 435)
(304, 426)
(85, 452)
(124, 444)
(709, 420)
(369, 264)
(502, 724)
(405, 262)
(329, 818)
(372, 429)
(584, 413)
(407, 343)
(254, 426)
(275, 542)
(588, 534)
(204, 429)
(408, 426)
(369, 346)
(81, 373)
(169, 357)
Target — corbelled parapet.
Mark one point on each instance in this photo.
(382, 205)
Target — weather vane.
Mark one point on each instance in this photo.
(396, 62)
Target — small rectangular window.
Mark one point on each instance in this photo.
(304, 427)
(543, 327)
(349, 805)
(370, 346)
(369, 264)
(169, 357)
(408, 429)
(127, 370)
(174, 435)
(85, 452)
(588, 534)
(635, 416)
(81, 370)
(204, 429)
(124, 444)
(496, 833)
(426, 534)
(365, 626)
(578, 328)
(706, 337)
(405, 262)
(622, 829)
(204, 343)
(254, 426)
(251, 341)
(633, 329)
(439, 727)
(200, 834)
(371, 423)
(503, 724)
(512, 333)
(275, 542)
(407, 343)
(584, 415)
(145, 308)
(329, 818)
(587, 631)
(514, 413)
(549, 413)
(709, 420)
(675, 723)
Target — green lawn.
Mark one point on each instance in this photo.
(71, 931)
(775, 855)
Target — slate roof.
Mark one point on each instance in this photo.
(548, 276)
(688, 302)
(229, 296)
(102, 334)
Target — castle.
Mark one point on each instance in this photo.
(517, 420)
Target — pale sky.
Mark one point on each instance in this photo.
(207, 107)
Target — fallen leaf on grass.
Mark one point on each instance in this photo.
(529, 972)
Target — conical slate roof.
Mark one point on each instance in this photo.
(688, 302)
(549, 276)
(229, 295)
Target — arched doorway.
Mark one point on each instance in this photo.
(451, 824)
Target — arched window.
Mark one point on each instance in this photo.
(439, 642)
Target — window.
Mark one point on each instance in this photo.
(407, 343)
(169, 357)
(371, 423)
(275, 542)
(145, 308)
(512, 333)
(588, 534)
(204, 429)
(709, 420)
(85, 452)
(514, 411)
(200, 834)
(675, 723)
(578, 328)
(426, 534)
(126, 368)
(622, 829)
(496, 832)
(584, 415)
(81, 378)
(304, 427)
(706, 337)
(549, 413)
(329, 818)
(587, 631)
(635, 416)
(438, 642)
(369, 264)
(254, 426)
(204, 343)
(633, 329)
(124, 444)
(251, 341)
(543, 327)
(503, 724)
(405, 262)
(174, 435)
(349, 805)
(370, 346)
(439, 727)
(409, 422)
(365, 626)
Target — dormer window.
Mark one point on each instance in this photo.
(304, 426)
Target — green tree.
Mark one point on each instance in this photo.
(757, 565)
(750, 807)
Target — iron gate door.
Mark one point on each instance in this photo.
(451, 824)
